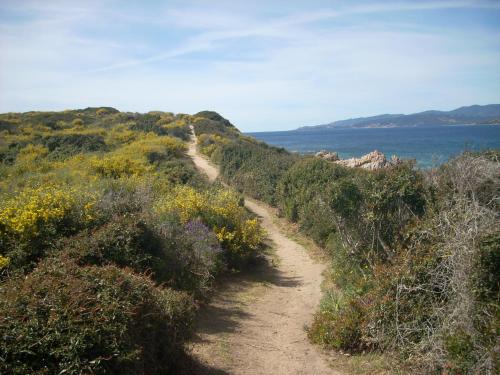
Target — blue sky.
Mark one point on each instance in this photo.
(265, 65)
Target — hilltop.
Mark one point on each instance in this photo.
(470, 115)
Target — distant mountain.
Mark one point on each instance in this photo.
(471, 115)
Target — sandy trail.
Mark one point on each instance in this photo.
(255, 323)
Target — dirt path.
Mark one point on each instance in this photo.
(255, 324)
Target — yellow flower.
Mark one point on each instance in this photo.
(4, 261)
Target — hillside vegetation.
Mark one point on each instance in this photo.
(109, 239)
(414, 254)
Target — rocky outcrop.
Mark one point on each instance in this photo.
(372, 161)
(330, 156)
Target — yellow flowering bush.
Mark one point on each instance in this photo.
(240, 235)
(27, 213)
(31, 153)
(4, 262)
(208, 143)
(121, 134)
(150, 143)
(134, 159)
(117, 166)
(185, 201)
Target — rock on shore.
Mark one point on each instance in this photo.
(373, 160)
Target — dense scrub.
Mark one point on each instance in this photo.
(108, 238)
(63, 318)
(414, 254)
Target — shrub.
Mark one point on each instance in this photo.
(240, 235)
(147, 123)
(337, 325)
(71, 144)
(303, 182)
(33, 218)
(208, 143)
(208, 122)
(431, 304)
(183, 256)
(180, 171)
(196, 256)
(8, 126)
(31, 153)
(178, 129)
(67, 319)
(254, 168)
(124, 241)
(117, 166)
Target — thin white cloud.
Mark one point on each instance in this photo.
(261, 71)
(224, 26)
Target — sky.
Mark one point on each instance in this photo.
(264, 65)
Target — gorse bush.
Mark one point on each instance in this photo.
(67, 319)
(117, 166)
(32, 219)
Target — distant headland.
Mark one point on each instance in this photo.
(470, 115)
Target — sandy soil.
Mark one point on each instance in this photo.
(256, 322)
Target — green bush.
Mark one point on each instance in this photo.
(181, 256)
(8, 126)
(179, 171)
(337, 325)
(124, 241)
(487, 279)
(208, 122)
(305, 180)
(72, 144)
(67, 319)
(254, 168)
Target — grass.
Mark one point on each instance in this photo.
(361, 364)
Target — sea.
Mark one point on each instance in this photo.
(430, 146)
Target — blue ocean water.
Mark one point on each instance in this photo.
(430, 145)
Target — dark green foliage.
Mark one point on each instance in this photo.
(317, 219)
(488, 264)
(72, 144)
(254, 168)
(8, 154)
(305, 180)
(67, 319)
(214, 116)
(180, 172)
(338, 328)
(125, 241)
(8, 126)
(392, 198)
(184, 257)
(208, 122)
(147, 123)
(460, 348)
(152, 123)
(181, 132)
